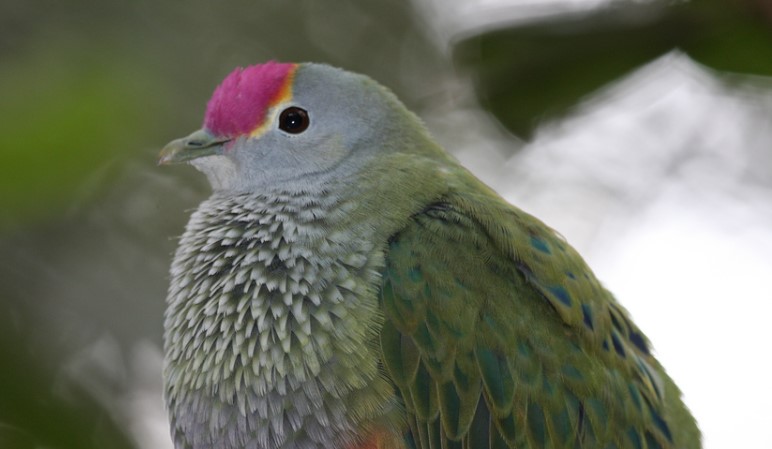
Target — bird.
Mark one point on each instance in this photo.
(348, 284)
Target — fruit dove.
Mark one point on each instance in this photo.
(349, 285)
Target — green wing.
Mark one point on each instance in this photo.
(497, 335)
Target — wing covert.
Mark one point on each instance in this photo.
(483, 357)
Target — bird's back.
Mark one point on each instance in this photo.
(498, 335)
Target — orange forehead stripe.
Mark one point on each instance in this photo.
(283, 94)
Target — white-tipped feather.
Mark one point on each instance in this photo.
(273, 331)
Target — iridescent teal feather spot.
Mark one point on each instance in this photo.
(635, 438)
(415, 274)
(561, 294)
(536, 423)
(597, 408)
(587, 316)
(547, 387)
(572, 372)
(635, 395)
(540, 244)
(617, 345)
(661, 424)
(524, 349)
(638, 340)
(562, 426)
(651, 442)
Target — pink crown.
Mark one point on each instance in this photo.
(239, 104)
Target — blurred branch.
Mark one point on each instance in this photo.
(533, 72)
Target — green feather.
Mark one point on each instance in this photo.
(509, 326)
(498, 381)
(400, 355)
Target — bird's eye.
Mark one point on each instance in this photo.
(293, 120)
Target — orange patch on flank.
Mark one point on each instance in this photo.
(379, 440)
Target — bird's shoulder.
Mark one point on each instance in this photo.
(471, 231)
(496, 330)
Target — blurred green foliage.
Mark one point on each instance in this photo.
(66, 110)
(85, 82)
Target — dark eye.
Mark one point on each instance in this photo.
(293, 120)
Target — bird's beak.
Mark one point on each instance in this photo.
(199, 144)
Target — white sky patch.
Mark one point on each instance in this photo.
(698, 284)
(451, 19)
(663, 186)
(147, 419)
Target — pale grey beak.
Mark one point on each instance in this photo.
(199, 144)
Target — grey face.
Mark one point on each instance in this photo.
(350, 119)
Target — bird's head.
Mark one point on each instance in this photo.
(277, 123)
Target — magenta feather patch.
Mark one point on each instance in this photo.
(239, 104)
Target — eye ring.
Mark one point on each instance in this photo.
(293, 120)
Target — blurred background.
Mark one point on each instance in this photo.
(640, 130)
